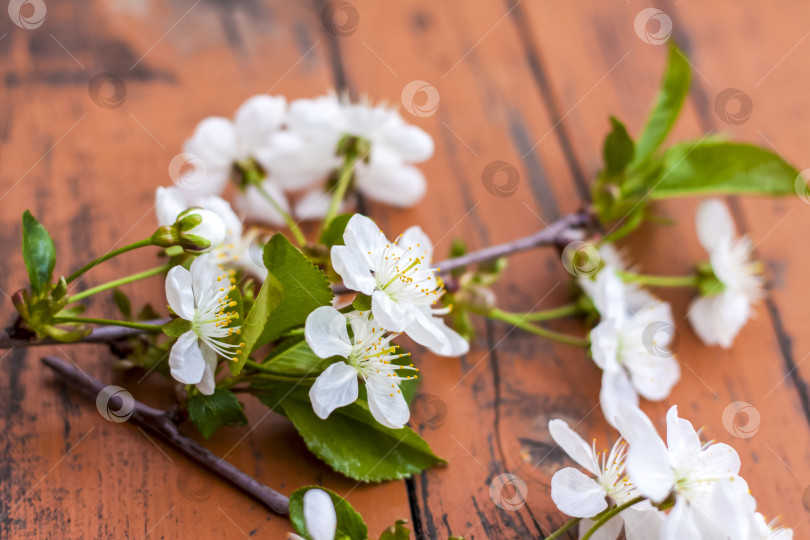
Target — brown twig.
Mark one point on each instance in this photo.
(160, 424)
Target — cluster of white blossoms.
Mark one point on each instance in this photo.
(680, 489)
(631, 343)
(403, 286)
(291, 149)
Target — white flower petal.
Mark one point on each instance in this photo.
(392, 316)
(326, 333)
(211, 227)
(717, 319)
(179, 293)
(649, 469)
(682, 439)
(605, 342)
(718, 461)
(365, 236)
(633, 424)
(679, 523)
(653, 377)
(319, 515)
(352, 266)
(402, 186)
(198, 183)
(186, 360)
(386, 402)
(714, 224)
(417, 243)
(573, 445)
(253, 205)
(456, 344)
(335, 387)
(642, 523)
(207, 383)
(616, 389)
(222, 208)
(169, 201)
(295, 161)
(203, 277)
(412, 144)
(608, 531)
(424, 329)
(214, 141)
(576, 494)
(256, 120)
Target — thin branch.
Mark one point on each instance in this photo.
(160, 424)
(101, 334)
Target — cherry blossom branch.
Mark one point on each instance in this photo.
(162, 425)
(561, 232)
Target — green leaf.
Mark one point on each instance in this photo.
(38, 251)
(618, 149)
(294, 357)
(124, 305)
(333, 234)
(221, 408)
(362, 302)
(351, 441)
(176, 327)
(716, 167)
(674, 88)
(269, 298)
(304, 285)
(397, 531)
(350, 524)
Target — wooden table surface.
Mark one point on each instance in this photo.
(529, 83)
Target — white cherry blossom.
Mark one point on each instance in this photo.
(400, 281)
(580, 495)
(718, 317)
(200, 296)
(369, 354)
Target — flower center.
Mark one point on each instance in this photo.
(406, 276)
(213, 318)
(372, 357)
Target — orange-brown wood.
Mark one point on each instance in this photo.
(527, 83)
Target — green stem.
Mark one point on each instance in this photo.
(609, 514)
(267, 373)
(554, 313)
(658, 281)
(562, 530)
(345, 176)
(288, 219)
(108, 256)
(118, 282)
(518, 320)
(110, 322)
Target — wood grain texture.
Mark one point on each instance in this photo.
(526, 83)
